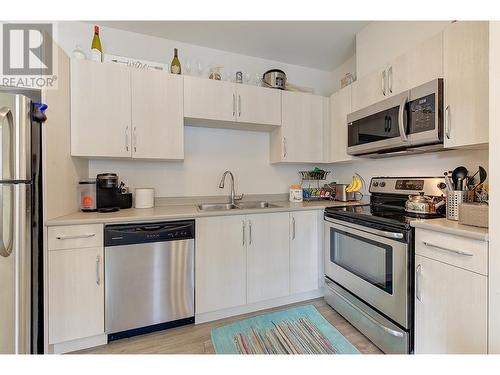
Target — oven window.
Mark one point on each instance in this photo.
(370, 260)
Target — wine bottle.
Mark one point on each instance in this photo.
(96, 48)
(175, 66)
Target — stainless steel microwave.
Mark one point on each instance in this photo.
(410, 122)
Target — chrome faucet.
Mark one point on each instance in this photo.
(233, 196)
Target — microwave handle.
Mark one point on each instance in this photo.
(402, 132)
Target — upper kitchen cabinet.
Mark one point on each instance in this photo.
(340, 107)
(303, 135)
(100, 110)
(125, 113)
(213, 103)
(157, 115)
(466, 81)
(421, 64)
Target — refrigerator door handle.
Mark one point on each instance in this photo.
(6, 114)
(6, 248)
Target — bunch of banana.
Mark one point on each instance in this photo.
(355, 185)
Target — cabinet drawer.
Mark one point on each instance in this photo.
(458, 251)
(75, 236)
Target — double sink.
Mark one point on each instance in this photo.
(236, 206)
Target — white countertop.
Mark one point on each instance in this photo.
(185, 211)
(452, 227)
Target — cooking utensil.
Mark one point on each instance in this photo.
(459, 172)
(450, 186)
(482, 177)
(275, 78)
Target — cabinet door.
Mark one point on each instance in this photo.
(304, 251)
(397, 75)
(466, 76)
(304, 127)
(76, 294)
(268, 267)
(340, 107)
(258, 105)
(369, 89)
(157, 115)
(425, 61)
(209, 99)
(220, 263)
(100, 109)
(450, 309)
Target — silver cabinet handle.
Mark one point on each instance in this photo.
(76, 236)
(384, 75)
(447, 123)
(239, 105)
(293, 228)
(284, 147)
(418, 294)
(459, 252)
(243, 227)
(97, 270)
(390, 331)
(389, 79)
(134, 139)
(401, 119)
(234, 105)
(250, 232)
(126, 139)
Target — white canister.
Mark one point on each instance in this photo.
(296, 195)
(144, 198)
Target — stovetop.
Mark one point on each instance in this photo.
(378, 214)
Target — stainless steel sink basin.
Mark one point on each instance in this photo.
(229, 206)
(252, 205)
(217, 207)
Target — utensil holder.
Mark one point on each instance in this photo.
(453, 200)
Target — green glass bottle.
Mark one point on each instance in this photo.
(175, 66)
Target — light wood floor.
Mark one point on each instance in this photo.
(195, 339)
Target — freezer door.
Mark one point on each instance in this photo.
(15, 251)
(15, 138)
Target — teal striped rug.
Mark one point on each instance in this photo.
(298, 330)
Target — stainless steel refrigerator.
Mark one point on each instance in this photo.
(21, 277)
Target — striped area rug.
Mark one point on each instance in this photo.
(298, 330)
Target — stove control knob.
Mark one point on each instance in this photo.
(382, 184)
(375, 184)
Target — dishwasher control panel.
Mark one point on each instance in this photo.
(125, 234)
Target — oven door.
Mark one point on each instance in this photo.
(371, 264)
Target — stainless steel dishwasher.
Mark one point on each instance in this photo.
(149, 279)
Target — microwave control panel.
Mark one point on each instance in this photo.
(423, 114)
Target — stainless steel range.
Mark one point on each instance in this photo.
(369, 257)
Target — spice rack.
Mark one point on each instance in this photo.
(314, 186)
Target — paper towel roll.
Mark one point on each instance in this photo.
(144, 198)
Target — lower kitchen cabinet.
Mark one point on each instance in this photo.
(304, 251)
(268, 259)
(451, 294)
(76, 293)
(220, 265)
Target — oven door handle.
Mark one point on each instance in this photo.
(382, 233)
(390, 331)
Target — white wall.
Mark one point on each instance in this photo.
(381, 41)
(208, 153)
(494, 202)
(124, 43)
(425, 165)
(349, 66)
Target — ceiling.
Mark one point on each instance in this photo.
(323, 45)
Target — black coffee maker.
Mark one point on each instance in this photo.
(109, 195)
